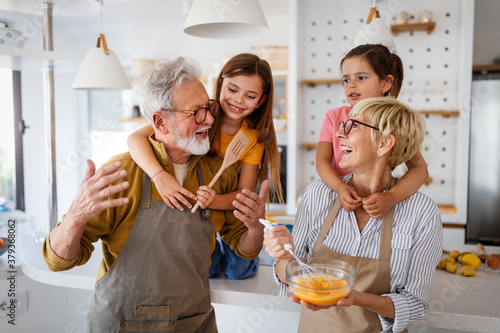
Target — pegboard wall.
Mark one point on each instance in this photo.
(327, 30)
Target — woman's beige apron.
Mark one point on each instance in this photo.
(159, 282)
(372, 276)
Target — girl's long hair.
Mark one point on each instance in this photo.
(261, 119)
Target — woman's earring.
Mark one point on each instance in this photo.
(383, 92)
(378, 152)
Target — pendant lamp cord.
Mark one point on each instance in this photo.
(100, 11)
(374, 5)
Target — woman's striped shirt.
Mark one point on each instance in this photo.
(417, 243)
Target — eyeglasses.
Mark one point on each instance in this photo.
(347, 126)
(201, 114)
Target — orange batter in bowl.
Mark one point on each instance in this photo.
(320, 292)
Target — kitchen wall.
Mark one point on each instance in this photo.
(437, 77)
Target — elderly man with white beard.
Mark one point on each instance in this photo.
(154, 270)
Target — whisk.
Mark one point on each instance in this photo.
(311, 273)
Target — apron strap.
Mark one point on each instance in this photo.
(327, 224)
(205, 213)
(200, 175)
(384, 251)
(385, 233)
(146, 191)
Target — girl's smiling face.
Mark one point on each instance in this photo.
(360, 81)
(241, 95)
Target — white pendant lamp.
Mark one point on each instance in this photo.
(375, 31)
(225, 19)
(101, 69)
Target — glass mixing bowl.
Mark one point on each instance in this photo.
(313, 289)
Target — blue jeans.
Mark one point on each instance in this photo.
(226, 260)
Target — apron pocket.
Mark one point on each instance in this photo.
(186, 325)
(151, 313)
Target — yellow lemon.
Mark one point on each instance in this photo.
(471, 260)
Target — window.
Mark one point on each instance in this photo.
(111, 122)
(11, 153)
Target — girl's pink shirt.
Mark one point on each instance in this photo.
(328, 131)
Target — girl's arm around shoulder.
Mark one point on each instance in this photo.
(378, 205)
(167, 185)
(142, 152)
(413, 179)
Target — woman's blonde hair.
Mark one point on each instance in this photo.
(396, 118)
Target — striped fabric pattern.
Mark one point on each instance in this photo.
(417, 244)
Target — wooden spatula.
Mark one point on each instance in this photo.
(236, 147)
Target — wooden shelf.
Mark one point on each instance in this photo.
(397, 28)
(486, 68)
(312, 83)
(40, 54)
(309, 146)
(444, 113)
(447, 209)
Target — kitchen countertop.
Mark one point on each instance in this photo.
(457, 302)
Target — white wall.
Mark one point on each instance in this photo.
(437, 70)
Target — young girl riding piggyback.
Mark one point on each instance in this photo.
(244, 93)
(368, 70)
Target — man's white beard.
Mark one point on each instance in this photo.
(192, 145)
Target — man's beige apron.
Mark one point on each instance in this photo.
(159, 282)
(372, 276)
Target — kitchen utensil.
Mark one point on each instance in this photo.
(234, 151)
(482, 255)
(341, 280)
(310, 272)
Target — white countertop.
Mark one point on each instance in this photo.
(457, 302)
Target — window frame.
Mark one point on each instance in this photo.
(19, 128)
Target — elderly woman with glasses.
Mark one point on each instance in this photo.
(395, 257)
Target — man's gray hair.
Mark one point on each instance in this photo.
(157, 83)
